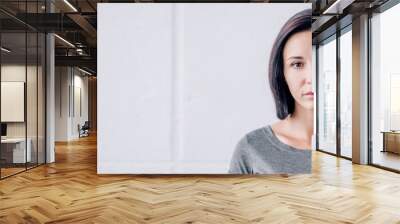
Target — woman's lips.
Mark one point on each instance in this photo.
(309, 93)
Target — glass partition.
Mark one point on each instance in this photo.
(41, 88)
(327, 95)
(22, 77)
(13, 110)
(31, 100)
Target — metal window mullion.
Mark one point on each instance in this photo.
(26, 87)
(369, 100)
(37, 92)
(338, 96)
(45, 92)
(317, 98)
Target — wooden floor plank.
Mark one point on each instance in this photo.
(70, 191)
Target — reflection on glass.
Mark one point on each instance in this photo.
(22, 91)
(32, 87)
(13, 84)
(327, 96)
(41, 98)
(31, 101)
(385, 85)
(346, 94)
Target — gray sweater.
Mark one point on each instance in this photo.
(261, 152)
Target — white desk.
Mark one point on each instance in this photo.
(19, 149)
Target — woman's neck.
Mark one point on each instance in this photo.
(302, 121)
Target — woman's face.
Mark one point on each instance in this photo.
(297, 68)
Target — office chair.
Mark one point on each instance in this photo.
(84, 130)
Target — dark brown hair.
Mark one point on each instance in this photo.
(284, 100)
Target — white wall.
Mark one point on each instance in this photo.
(80, 83)
(67, 81)
(180, 84)
(61, 103)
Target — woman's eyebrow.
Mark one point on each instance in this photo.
(295, 57)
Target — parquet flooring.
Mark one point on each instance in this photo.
(70, 191)
(10, 171)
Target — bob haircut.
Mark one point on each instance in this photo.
(284, 100)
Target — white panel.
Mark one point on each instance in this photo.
(226, 90)
(12, 101)
(180, 84)
(134, 85)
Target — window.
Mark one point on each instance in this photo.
(327, 96)
(385, 89)
(346, 92)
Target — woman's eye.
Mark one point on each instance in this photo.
(297, 65)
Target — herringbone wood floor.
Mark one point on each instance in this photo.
(70, 191)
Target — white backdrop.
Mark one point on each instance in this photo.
(180, 84)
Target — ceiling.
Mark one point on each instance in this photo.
(76, 22)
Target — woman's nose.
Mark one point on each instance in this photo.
(308, 75)
(308, 80)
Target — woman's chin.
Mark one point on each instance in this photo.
(308, 105)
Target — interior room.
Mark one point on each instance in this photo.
(65, 158)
